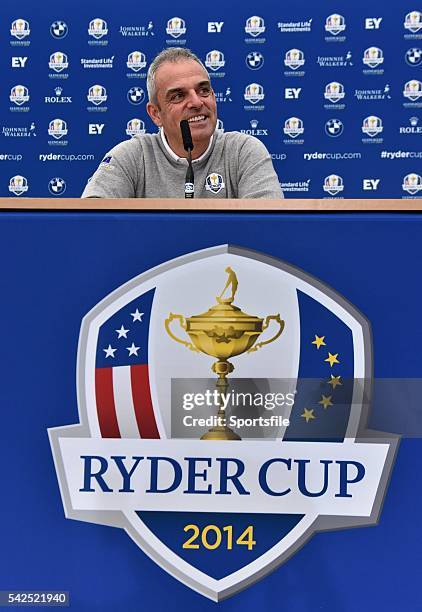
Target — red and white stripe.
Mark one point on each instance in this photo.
(124, 405)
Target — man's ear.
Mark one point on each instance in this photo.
(154, 112)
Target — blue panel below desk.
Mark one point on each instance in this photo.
(59, 266)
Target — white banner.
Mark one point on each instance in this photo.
(196, 476)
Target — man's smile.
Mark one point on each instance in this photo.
(197, 119)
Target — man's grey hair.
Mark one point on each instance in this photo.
(173, 54)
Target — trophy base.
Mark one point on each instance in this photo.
(220, 433)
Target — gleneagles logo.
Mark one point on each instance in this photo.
(162, 363)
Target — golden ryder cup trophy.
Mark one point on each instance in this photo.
(224, 331)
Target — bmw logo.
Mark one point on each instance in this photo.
(254, 60)
(414, 57)
(334, 127)
(136, 95)
(58, 29)
(57, 186)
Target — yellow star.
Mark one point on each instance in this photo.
(308, 415)
(319, 341)
(332, 359)
(335, 381)
(326, 401)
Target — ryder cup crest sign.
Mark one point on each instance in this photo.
(215, 60)
(97, 28)
(20, 29)
(58, 61)
(413, 21)
(412, 183)
(176, 27)
(334, 92)
(294, 59)
(333, 184)
(19, 94)
(135, 126)
(335, 24)
(372, 126)
(57, 128)
(250, 502)
(97, 94)
(255, 26)
(18, 185)
(373, 57)
(136, 61)
(293, 126)
(413, 90)
(254, 93)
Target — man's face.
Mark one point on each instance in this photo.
(184, 92)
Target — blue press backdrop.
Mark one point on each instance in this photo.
(334, 90)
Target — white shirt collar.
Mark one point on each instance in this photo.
(183, 159)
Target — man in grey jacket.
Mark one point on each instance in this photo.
(226, 165)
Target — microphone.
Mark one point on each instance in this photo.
(188, 146)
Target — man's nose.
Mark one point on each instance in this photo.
(194, 101)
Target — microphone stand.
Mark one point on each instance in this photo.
(188, 146)
(189, 180)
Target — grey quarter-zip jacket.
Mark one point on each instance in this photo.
(235, 165)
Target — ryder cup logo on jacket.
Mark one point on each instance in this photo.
(373, 57)
(97, 28)
(214, 182)
(19, 94)
(136, 61)
(215, 60)
(97, 94)
(254, 93)
(20, 29)
(255, 26)
(160, 441)
(294, 59)
(135, 126)
(18, 185)
(335, 24)
(176, 27)
(58, 61)
(334, 92)
(57, 128)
